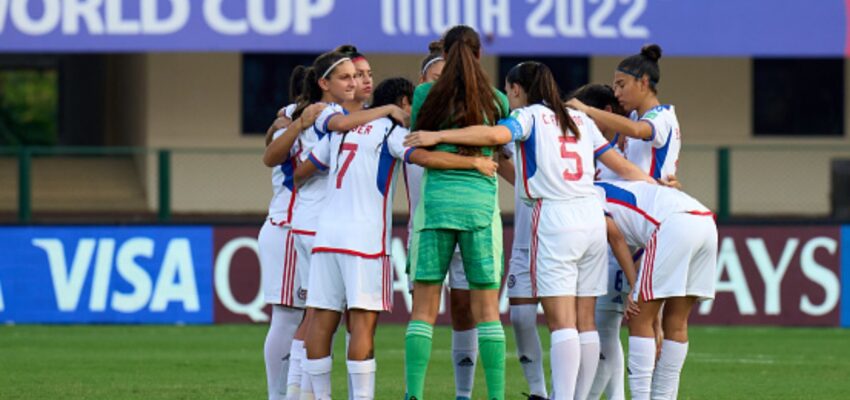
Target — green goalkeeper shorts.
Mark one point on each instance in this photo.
(431, 252)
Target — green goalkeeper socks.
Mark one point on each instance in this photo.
(491, 347)
(417, 354)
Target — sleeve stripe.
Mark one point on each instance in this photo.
(324, 128)
(407, 154)
(514, 126)
(317, 163)
(602, 149)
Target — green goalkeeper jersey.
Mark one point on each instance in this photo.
(456, 199)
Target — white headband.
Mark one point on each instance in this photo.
(428, 65)
(331, 68)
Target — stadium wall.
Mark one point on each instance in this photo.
(777, 275)
(192, 100)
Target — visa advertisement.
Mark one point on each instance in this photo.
(563, 27)
(766, 275)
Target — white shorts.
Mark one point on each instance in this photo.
(680, 259)
(568, 248)
(519, 277)
(456, 278)
(303, 252)
(618, 286)
(339, 281)
(277, 263)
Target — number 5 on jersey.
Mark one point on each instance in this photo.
(571, 176)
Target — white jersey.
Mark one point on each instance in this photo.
(356, 217)
(311, 194)
(658, 156)
(283, 185)
(522, 210)
(639, 208)
(551, 165)
(603, 173)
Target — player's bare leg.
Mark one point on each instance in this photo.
(318, 363)
(464, 343)
(560, 314)
(523, 313)
(361, 353)
(589, 342)
(484, 304)
(642, 349)
(674, 349)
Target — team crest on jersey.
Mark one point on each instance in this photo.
(302, 293)
(511, 281)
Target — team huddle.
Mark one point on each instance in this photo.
(599, 233)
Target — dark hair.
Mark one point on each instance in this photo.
(599, 96)
(296, 82)
(645, 63)
(540, 87)
(311, 92)
(463, 95)
(389, 91)
(350, 51)
(435, 51)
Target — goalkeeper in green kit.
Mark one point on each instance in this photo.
(457, 208)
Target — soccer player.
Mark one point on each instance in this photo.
(457, 207)
(654, 138)
(330, 80)
(464, 335)
(568, 237)
(680, 238)
(350, 267)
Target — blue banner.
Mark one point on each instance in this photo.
(106, 275)
(564, 27)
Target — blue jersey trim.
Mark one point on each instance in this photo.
(617, 193)
(514, 126)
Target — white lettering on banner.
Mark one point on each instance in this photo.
(153, 25)
(219, 23)
(254, 309)
(67, 284)
(87, 10)
(445, 14)
(771, 276)
(570, 16)
(820, 275)
(277, 25)
(728, 261)
(28, 25)
(496, 17)
(175, 281)
(414, 16)
(2, 304)
(115, 22)
(308, 10)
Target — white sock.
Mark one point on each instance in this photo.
(609, 373)
(361, 374)
(528, 349)
(464, 355)
(282, 329)
(565, 354)
(319, 371)
(307, 391)
(589, 344)
(641, 364)
(297, 354)
(665, 380)
(350, 384)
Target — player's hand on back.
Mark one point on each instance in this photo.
(308, 117)
(400, 115)
(576, 104)
(671, 182)
(421, 139)
(632, 309)
(486, 166)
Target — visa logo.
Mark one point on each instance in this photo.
(113, 269)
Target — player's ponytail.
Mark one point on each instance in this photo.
(644, 64)
(462, 96)
(435, 54)
(540, 88)
(322, 68)
(296, 82)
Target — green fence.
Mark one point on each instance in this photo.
(740, 180)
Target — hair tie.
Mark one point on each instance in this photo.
(331, 68)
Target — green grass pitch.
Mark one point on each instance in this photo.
(226, 362)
